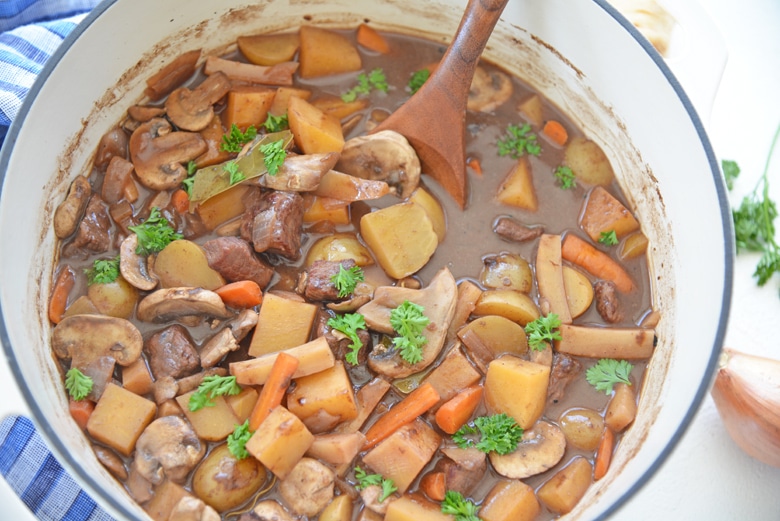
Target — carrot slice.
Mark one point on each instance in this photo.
(604, 454)
(475, 165)
(596, 262)
(241, 294)
(434, 485)
(370, 39)
(454, 414)
(180, 201)
(66, 279)
(81, 411)
(405, 411)
(274, 389)
(555, 132)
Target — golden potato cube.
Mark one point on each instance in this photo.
(210, 423)
(222, 207)
(324, 52)
(510, 501)
(269, 49)
(434, 210)
(518, 388)
(603, 213)
(242, 403)
(406, 508)
(282, 99)
(338, 108)
(518, 187)
(280, 441)
(314, 131)
(508, 303)
(183, 263)
(453, 374)
(563, 491)
(167, 495)
(137, 378)
(318, 209)
(491, 336)
(119, 418)
(339, 509)
(323, 400)
(283, 323)
(247, 106)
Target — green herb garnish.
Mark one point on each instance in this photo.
(366, 480)
(77, 384)
(346, 280)
(235, 140)
(608, 238)
(374, 80)
(349, 323)
(456, 505)
(498, 433)
(543, 330)
(276, 123)
(154, 234)
(274, 154)
(608, 372)
(565, 177)
(409, 321)
(236, 441)
(418, 79)
(236, 176)
(103, 271)
(211, 387)
(518, 141)
(730, 172)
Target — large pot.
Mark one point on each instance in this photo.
(579, 53)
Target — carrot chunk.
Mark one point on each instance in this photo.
(434, 484)
(241, 294)
(404, 412)
(454, 414)
(180, 201)
(81, 410)
(555, 132)
(370, 39)
(66, 279)
(596, 262)
(274, 389)
(604, 454)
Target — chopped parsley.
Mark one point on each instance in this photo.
(236, 175)
(418, 79)
(409, 321)
(498, 433)
(187, 183)
(103, 271)
(608, 238)
(77, 384)
(730, 172)
(346, 280)
(608, 372)
(349, 323)
(518, 141)
(276, 123)
(236, 441)
(543, 330)
(273, 156)
(565, 177)
(154, 234)
(366, 82)
(366, 480)
(456, 505)
(235, 140)
(211, 387)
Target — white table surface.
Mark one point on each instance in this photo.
(707, 476)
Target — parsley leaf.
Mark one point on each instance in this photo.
(543, 330)
(236, 441)
(418, 79)
(77, 384)
(518, 141)
(608, 238)
(211, 387)
(497, 433)
(236, 175)
(455, 504)
(274, 155)
(349, 323)
(235, 140)
(607, 372)
(103, 271)
(346, 280)
(374, 80)
(154, 234)
(276, 123)
(409, 322)
(565, 177)
(730, 172)
(366, 480)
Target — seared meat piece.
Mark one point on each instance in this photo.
(268, 510)
(168, 448)
(564, 370)
(234, 259)
(315, 283)
(339, 343)
(512, 230)
(308, 488)
(93, 231)
(607, 304)
(172, 353)
(275, 225)
(463, 468)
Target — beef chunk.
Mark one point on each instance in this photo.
(564, 370)
(93, 231)
(275, 224)
(605, 294)
(315, 282)
(339, 344)
(234, 259)
(511, 230)
(172, 353)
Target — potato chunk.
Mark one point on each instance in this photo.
(324, 399)
(510, 500)
(518, 388)
(280, 442)
(119, 418)
(563, 491)
(324, 52)
(283, 323)
(314, 131)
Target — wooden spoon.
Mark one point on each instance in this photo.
(434, 118)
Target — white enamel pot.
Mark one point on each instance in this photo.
(580, 54)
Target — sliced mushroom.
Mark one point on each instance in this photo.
(170, 303)
(168, 448)
(438, 301)
(488, 90)
(300, 173)
(69, 212)
(217, 347)
(190, 508)
(194, 109)
(384, 156)
(308, 488)
(95, 336)
(133, 267)
(143, 113)
(370, 496)
(270, 510)
(540, 449)
(158, 153)
(243, 323)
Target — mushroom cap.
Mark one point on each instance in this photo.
(168, 447)
(171, 303)
(95, 336)
(133, 267)
(488, 90)
(194, 109)
(540, 449)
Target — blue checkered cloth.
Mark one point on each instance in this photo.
(31, 30)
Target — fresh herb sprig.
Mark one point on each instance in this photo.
(456, 505)
(498, 433)
(236, 441)
(518, 141)
(78, 384)
(154, 234)
(366, 480)
(187, 183)
(235, 139)
(607, 372)
(276, 123)
(346, 280)
(418, 79)
(608, 238)
(731, 172)
(274, 155)
(349, 324)
(565, 177)
(542, 330)
(236, 175)
(366, 82)
(211, 387)
(409, 321)
(103, 271)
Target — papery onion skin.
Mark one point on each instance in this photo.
(746, 393)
